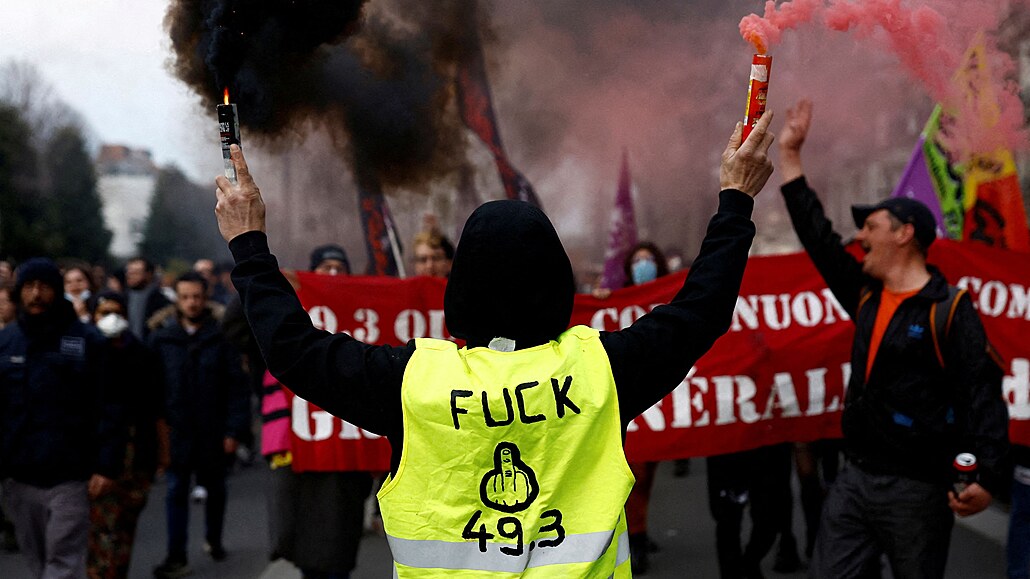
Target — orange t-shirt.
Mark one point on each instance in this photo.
(889, 302)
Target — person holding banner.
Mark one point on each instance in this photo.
(507, 453)
(918, 394)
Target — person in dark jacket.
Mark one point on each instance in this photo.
(510, 294)
(915, 399)
(134, 374)
(143, 295)
(207, 406)
(61, 433)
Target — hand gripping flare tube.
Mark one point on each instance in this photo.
(757, 92)
(229, 127)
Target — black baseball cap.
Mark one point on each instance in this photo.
(907, 211)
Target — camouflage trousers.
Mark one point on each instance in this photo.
(113, 519)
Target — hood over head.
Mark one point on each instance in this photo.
(511, 278)
(39, 269)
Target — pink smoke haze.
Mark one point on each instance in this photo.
(575, 82)
(929, 39)
(765, 31)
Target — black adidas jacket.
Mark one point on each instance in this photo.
(910, 416)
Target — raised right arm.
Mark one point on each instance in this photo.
(840, 270)
(355, 381)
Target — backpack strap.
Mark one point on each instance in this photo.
(862, 299)
(941, 314)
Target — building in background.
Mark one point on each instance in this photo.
(125, 179)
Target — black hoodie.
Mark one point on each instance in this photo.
(511, 278)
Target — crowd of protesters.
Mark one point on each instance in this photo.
(109, 380)
(167, 370)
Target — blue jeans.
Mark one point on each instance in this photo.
(177, 506)
(1018, 551)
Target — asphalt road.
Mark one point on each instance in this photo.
(679, 522)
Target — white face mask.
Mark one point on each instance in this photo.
(112, 325)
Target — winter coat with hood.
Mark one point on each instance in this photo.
(510, 278)
(59, 421)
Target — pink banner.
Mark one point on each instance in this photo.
(778, 375)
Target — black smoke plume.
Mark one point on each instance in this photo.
(377, 82)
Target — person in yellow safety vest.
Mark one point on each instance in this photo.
(507, 453)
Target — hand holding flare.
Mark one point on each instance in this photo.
(229, 130)
(746, 165)
(240, 208)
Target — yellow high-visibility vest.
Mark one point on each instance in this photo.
(512, 464)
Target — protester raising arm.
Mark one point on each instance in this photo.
(841, 271)
(352, 380)
(653, 355)
(361, 383)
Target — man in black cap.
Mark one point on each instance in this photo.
(924, 384)
(507, 453)
(61, 433)
(329, 259)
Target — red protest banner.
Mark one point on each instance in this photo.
(778, 375)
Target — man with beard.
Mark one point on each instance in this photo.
(507, 453)
(918, 395)
(207, 407)
(61, 433)
(143, 294)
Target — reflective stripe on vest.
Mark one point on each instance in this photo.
(584, 548)
(512, 464)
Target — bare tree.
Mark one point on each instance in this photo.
(24, 88)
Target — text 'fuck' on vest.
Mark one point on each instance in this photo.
(512, 464)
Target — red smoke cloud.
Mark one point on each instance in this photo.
(929, 39)
(763, 31)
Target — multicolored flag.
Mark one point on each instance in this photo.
(476, 107)
(974, 195)
(622, 232)
(930, 177)
(382, 244)
(997, 217)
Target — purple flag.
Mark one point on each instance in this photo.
(915, 183)
(622, 232)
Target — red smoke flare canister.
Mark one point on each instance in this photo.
(757, 92)
(229, 127)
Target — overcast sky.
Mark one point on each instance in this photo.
(107, 60)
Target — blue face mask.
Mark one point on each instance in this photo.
(84, 296)
(644, 271)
